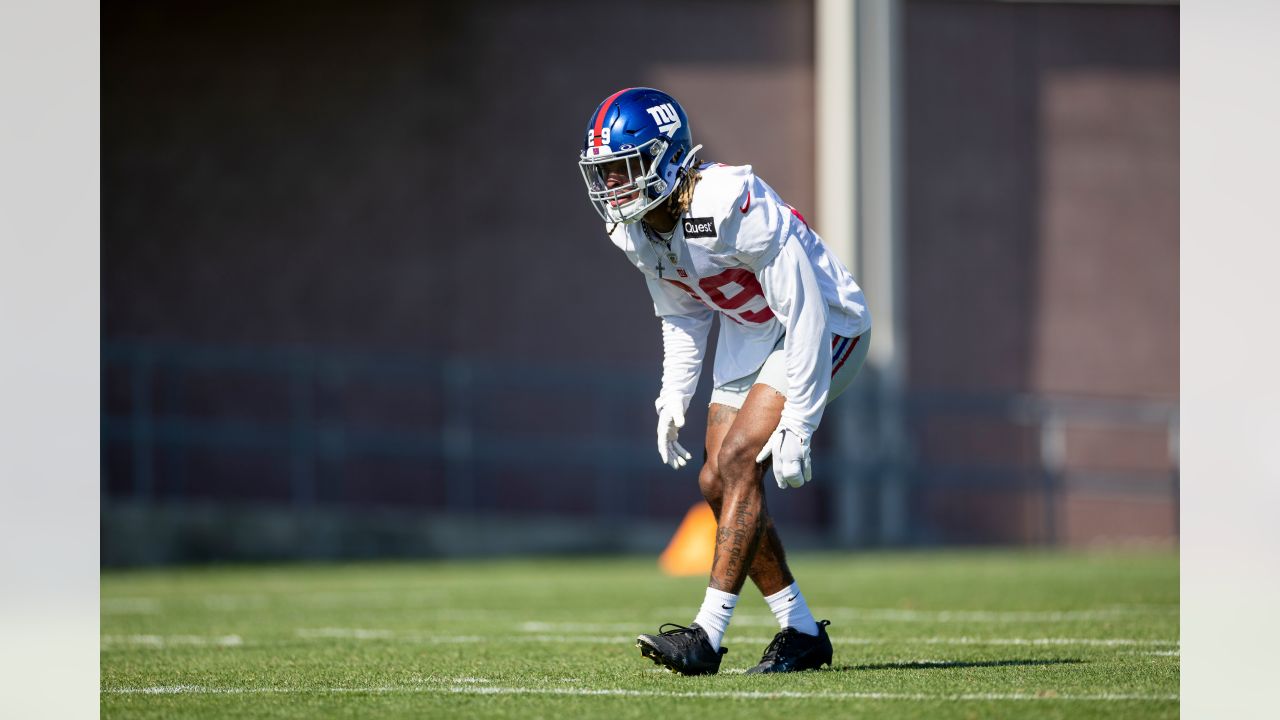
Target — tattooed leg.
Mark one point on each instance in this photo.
(747, 544)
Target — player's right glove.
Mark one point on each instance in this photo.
(670, 420)
(791, 464)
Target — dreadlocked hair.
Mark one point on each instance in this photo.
(680, 200)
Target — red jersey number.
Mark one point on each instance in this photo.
(749, 289)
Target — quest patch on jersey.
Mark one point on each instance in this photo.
(700, 227)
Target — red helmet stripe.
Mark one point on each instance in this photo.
(604, 110)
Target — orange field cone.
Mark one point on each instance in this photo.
(692, 547)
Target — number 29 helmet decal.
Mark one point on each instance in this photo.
(641, 137)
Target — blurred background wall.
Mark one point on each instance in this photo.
(1042, 259)
(355, 304)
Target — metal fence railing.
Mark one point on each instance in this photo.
(466, 420)
(1051, 420)
(275, 406)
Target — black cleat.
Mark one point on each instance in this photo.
(792, 651)
(684, 650)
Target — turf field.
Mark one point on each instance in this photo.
(917, 635)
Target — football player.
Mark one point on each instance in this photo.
(794, 329)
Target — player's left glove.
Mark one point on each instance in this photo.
(670, 420)
(790, 451)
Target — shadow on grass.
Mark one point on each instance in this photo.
(945, 664)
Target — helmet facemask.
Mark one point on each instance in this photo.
(643, 188)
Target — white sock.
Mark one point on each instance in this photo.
(713, 616)
(791, 610)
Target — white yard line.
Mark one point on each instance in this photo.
(975, 616)
(1161, 647)
(471, 689)
(172, 690)
(1009, 616)
(850, 614)
(547, 627)
(162, 641)
(375, 634)
(427, 600)
(234, 602)
(348, 633)
(383, 634)
(420, 637)
(1106, 642)
(793, 694)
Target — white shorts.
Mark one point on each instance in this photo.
(847, 356)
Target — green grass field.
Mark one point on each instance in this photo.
(972, 634)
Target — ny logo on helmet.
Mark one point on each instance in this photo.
(665, 117)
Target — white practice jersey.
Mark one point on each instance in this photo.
(744, 253)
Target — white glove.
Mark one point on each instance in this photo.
(791, 464)
(670, 420)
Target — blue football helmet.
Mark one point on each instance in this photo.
(646, 132)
